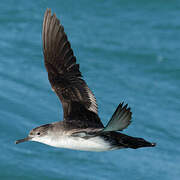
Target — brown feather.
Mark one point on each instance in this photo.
(64, 74)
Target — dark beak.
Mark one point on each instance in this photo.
(23, 140)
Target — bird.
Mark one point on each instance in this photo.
(81, 127)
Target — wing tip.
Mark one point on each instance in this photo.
(47, 12)
(121, 118)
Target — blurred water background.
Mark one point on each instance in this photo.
(128, 51)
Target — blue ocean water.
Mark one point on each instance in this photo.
(128, 51)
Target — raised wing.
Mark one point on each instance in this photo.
(120, 119)
(65, 77)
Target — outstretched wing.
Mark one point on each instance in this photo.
(79, 103)
(120, 119)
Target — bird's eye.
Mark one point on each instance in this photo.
(38, 133)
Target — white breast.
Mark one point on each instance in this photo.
(77, 143)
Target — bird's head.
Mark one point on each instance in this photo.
(36, 134)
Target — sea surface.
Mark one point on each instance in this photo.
(128, 51)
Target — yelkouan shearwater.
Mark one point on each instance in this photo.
(81, 128)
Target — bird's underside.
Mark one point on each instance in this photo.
(81, 127)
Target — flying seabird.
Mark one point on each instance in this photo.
(81, 128)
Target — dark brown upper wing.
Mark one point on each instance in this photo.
(66, 80)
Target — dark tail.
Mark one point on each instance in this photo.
(123, 140)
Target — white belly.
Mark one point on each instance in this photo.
(77, 143)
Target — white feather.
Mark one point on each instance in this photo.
(93, 106)
(77, 143)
